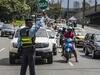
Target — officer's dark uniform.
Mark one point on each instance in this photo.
(27, 50)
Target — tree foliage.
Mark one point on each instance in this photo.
(55, 9)
(24, 7)
(13, 7)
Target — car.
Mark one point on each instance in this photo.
(7, 30)
(79, 37)
(52, 37)
(43, 47)
(92, 44)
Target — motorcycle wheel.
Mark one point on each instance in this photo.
(67, 55)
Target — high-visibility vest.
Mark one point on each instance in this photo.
(26, 41)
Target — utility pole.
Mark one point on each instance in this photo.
(52, 2)
(83, 13)
(95, 5)
(60, 8)
(67, 9)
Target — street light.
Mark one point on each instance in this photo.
(60, 8)
(83, 13)
(67, 9)
(95, 5)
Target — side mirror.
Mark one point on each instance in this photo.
(10, 36)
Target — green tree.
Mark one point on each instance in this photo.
(14, 7)
(33, 5)
(87, 5)
(55, 9)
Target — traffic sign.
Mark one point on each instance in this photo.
(42, 4)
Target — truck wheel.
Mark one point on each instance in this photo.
(1, 34)
(50, 59)
(55, 53)
(67, 57)
(93, 54)
(54, 50)
(11, 59)
(86, 52)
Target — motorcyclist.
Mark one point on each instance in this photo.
(70, 34)
(62, 36)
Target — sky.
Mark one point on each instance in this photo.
(64, 2)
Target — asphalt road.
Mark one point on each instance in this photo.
(85, 66)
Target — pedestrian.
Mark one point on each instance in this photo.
(26, 45)
(44, 18)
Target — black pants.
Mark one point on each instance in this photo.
(27, 59)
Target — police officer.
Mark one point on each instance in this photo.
(26, 45)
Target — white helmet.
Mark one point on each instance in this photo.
(70, 28)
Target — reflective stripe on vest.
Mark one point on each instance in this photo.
(26, 41)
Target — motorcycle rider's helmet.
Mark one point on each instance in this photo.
(70, 29)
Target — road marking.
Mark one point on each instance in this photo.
(59, 50)
(2, 49)
(71, 64)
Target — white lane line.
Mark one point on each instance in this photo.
(59, 50)
(2, 49)
(71, 64)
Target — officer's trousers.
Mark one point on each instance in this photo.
(28, 60)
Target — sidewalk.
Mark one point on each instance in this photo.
(93, 26)
(90, 29)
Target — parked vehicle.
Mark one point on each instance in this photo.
(7, 30)
(52, 37)
(43, 47)
(92, 44)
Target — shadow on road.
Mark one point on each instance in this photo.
(4, 36)
(90, 57)
(84, 56)
(60, 61)
(79, 46)
(81, 51)
(5, 62)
